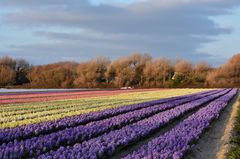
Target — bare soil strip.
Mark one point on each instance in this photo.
(225, 146)
(214, 142)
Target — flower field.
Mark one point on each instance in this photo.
(12, 115)
(48, 96)
(101, 124)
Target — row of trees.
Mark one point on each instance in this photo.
(136, 70)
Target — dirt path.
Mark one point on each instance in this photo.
(228, 132)
(213, 143)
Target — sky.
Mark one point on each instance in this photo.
(47, 31)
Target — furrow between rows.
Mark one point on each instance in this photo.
(176, 142)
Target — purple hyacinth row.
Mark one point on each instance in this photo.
(38, 145)
(176, 142)
(107, 144)
(34, 130)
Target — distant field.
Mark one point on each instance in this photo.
(15, 91)
(27, 96)
(106, 123)
(47, 106)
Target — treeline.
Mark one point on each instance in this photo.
(137, 70)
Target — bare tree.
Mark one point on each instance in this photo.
(7, 76)
(157, 72)
(228, 75)
(128, 71)
(58, 75)
(201, 70)
(92, 73)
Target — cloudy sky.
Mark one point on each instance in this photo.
(44, 31)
